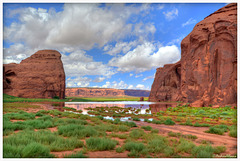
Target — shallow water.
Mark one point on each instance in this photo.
(154, 106)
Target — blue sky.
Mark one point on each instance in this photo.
(102, 45)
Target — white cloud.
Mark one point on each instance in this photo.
(176, 41)
(130, 74)
(170, 15)
(117, 85)
(99, 79)
(189, 22)
(119, 47)
(144, 58)
(78, 63)
(78, 82)
(149, 77)
(140, 75)
(140, 86)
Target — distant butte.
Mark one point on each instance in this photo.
(207, 72)
(39, 76)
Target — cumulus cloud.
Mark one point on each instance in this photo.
(145, 57)
(78, 82)
(117, 85)
(99, 79)
(140, 75)
(189, 22)
(170, 15)
(130, 74)
(78, 63)
(119, 47)
(140, 86)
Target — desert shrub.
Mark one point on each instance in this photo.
(130, 124)
(119, 150)
(218, 129)
(136, 119)
(156, 121)
(123, 128)
(134, 146)
(219, 149)
(169, 122)
(154, 131)
(21, 115)
(116, 115)
(185, 146)
(136, 133)
(79, 131)
(201, 125)
(100, 144)
(157, 145)
(202, 151)
(147, 128)
(173, 134)
(76, 155)
(168, 151)
(233, 131)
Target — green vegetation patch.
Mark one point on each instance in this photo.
(100, 144)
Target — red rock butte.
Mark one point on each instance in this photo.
(38, 76)
(207, 72)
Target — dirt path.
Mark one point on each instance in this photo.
(216, 140)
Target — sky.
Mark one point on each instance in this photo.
(102, 45)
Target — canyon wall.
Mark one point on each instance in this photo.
(39, 76)
(104, 92)
(207, 72)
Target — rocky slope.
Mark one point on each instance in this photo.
(104, 92)
(39, 76)
(207, 71)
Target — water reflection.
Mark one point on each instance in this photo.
(155, 106)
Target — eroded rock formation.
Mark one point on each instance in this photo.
(39, 76)
(93, 92)
(207, 71)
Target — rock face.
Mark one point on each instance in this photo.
(104, 92)
(93, 92)
(39, 76)
(207, 71)
(136, 93)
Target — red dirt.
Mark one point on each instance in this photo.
(61, 154)
(217, 140)
(52, 129)
(13, 120)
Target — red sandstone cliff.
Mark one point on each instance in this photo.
(207, 71)
(93, 92)
(39, 76)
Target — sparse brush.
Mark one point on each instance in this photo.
(136, 119)
(76, 155)
(130, 124)
(203, 151)
(119, 150)
(185, 146)
(78, 131)
(147, 128)
(95, 144)
(123, 128)
(136, 133)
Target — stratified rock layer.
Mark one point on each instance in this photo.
(93, 92)
(39, 76)
(207, 71)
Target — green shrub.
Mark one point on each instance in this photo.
(130, 124)
(100, 144)
(203, 151)
(136, 133)
(79, 131)
(134, 146)
(156, 121)
(219, 149)
(147, 128)
(56, 97)
(136, 119)
(36, 150)
(76, 155)
(173, 134)
(119, 150)
(185, 146)
(116, 115)
(168, 151)
(154, 131)
(123, 128)
(233, 131)
(218, 129)
(21, 115)
(157, 145)
(200, 125)
(169, 122)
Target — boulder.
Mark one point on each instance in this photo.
(39, 76)
(208, 65)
